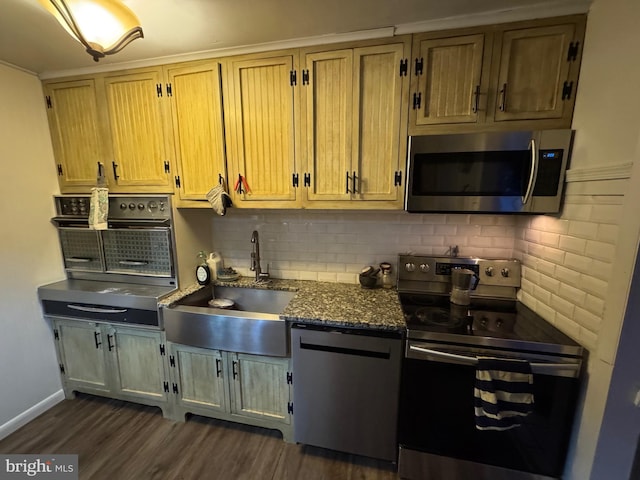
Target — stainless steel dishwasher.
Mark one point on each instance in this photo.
(345, 389)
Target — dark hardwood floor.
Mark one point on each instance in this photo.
(117, 440)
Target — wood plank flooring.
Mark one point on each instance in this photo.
(118, 440)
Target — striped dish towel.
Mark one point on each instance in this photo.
(503, 393)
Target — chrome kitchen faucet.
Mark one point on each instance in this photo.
(255, 258)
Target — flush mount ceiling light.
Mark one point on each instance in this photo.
(104, 27)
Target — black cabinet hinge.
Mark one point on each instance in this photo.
(572, 52)
(159, 89)
(567, 89)
(56, 335)
(292, 77)
(169, 88)
(177, 179)
(305, 77)
(307, 179)
(417, 100)
(172, 361)
(167, 167)
(289, 378)
(295, 180)
(161, 349)
(48, 100)
(418, 66)
(166, 386)
(290, 408)
(61, 368)
(404, 66)
(175, 388)
(59, 169)
(397, 179)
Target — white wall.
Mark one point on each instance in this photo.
(29, 253)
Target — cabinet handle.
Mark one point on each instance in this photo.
(235, 369)
(503, 98)
(218, 367)
(347, 183)
(110, 345)
(96, 338)
(476, 99)
(115, 170)
(355, 189)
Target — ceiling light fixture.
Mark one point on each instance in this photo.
(104, 27)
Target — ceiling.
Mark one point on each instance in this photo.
(30, 38)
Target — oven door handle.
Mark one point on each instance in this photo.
(554, 369)
(533, 174)
(82, 308)
(133, 263)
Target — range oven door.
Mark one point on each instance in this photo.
(504, 172)
(437, 432)
(139, 251)
(81, 249)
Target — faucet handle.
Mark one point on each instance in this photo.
(265, 275)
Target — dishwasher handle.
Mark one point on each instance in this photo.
(344, 350)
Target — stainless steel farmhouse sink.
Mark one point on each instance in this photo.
(253, 326)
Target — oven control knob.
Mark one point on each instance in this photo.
(424, 268)
(505, 272)
(489, 271)
(153, 206)
(123, 206)
(410, 267)
(141, 206)
(132, 206)
(162, 206)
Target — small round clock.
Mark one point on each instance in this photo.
(203, 274)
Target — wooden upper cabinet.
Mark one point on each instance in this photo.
(260, 118)
(329, 124)
(75, 132)
(449, 81)
(355, 125)
(134, 106)
(522, 75)
(534, 65)
(197, 128)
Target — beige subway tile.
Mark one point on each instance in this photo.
(546, 267)
(587, 319)
(327, 277)
(530, 274)
(545, 311)
(528, 300)
(572, 294)
(577, 212)
(503, 242)
(527, 286)
(587, 230)
(548, 283)
(530, 261)
(554, 255)
(506, 220)
(542, 294)
(536, 250)
(608, 233)
(595, 286)
(446, 230)
(594, 304)
(578, 262)
(600, 250)
(347, 278)
(563, 306)
(568, 276)
(458, 219)
(568, 326)
(497, 252)
(531, 235)
(496, 231)
(483, 219)
(307, 275)
(606, 213)
(602, 270)
(573, 244)
(588, 339)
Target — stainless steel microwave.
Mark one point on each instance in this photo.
(501, 172)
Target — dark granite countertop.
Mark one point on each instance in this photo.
(324, 303)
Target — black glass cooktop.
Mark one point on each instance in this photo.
(434, 317)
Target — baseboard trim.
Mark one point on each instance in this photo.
(31, 413)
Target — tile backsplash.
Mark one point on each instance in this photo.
(334, 246)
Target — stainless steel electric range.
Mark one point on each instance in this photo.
(437, 433)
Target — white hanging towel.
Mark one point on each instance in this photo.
(99, 208)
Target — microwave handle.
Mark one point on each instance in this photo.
(534, 171)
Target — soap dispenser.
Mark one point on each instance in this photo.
(216, 264)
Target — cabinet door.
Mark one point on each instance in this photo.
(134, 106)
(260, 387)
(260, 117)
(533, 67)
(379, 122)
(449, 86)
(82, 351)
(198, 132)
(200, 377)
(137, 364)
(75, 132)
(329, 124)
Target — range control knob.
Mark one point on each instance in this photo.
(162, 206)
(132, 206)
(410, 267)
(489, 271)
(153, 205)
(123, 206)
(141, 206)
(505, 272)
(424, 268)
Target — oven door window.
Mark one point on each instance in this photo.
(437, 417)
(492, 173)
(138, 251)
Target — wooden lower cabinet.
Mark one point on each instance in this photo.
(250, 389)
(126, 363)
